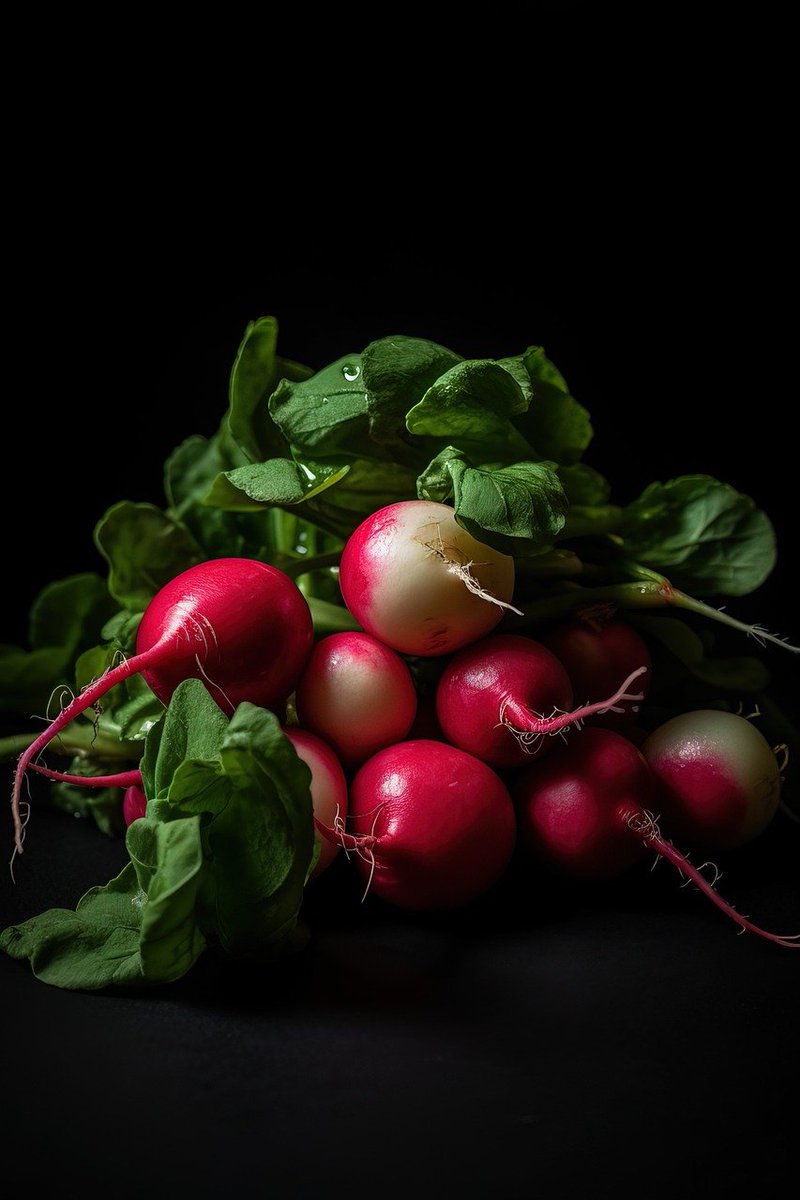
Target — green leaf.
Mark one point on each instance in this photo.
(584, 485)
(94, 947)
(256, 372)
(66, 617)
(280, 481)
(192, 727)
(517, 509)
(326, 414)
(707, 537)
(471, 406)
(554, 423)
(102, 805)
(741, 673)
(397, 373)
(144, 549)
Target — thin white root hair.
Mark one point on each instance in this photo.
(762, 636)
(209, 680)
(463, 571)
(25, 816)
(783, 750)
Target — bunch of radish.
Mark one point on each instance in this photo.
(523, 743)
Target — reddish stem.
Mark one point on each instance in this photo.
(647, 829)
(85, 699)
(122, 779)
(528, 726)
(347, 841)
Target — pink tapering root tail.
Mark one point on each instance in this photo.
(528, 726)
(644, 825)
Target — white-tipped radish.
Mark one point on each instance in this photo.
(417, 581)
(719, 780)
(328, 789)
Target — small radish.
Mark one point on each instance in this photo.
(241, 625)
(597, 651)
(134, 803)
(412, 577)
(432, 828)
(586, 811)
(719, 781)
(505, 697)
(328, 789)
(357, 694)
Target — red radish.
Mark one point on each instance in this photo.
(433, 828)
(134, 803)
(586, 811)
(719, 780)
(506, 696)
(412, 577)
(328, 789)
(241, 625)
(598, 651)
(357, 694)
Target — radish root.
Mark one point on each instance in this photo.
(529, 728)
(463, 570)
(645, 826)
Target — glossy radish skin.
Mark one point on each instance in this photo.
(586, 813)
(134, 803)
(240, 625)
(573, 806)
(357, 694)
(432, 828)
(506, 699)
(719, 780)
(328, 789)
(597, 655)
(405, 576)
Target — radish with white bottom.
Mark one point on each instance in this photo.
(240, 625)
(431, 828)
(506, 698)
(719, 780)
(418, 581)
(586, 812)
(357, 694)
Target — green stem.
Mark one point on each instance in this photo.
(590, 521)
(647, 593)
(76, 740)
(331, 618)
(319, 562)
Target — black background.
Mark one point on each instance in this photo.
(549, 1041)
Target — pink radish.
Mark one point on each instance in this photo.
(597, 651)
(412, 577)
(505, 697)
(586, 811)
(719, 781)
(357, 694)
(431, 827)
(134, 803)
(328, 789)
(241, 625)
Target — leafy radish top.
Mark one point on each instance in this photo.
(402, 492)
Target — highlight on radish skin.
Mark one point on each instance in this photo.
(719, 780)
(240, 625)
(506, 699)
(357, 694)
(412, 577)
(431, 828)
(586, 812)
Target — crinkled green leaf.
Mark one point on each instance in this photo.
(518, 509)
(192, 727)
(256, 372)
(707, 537)
(280, 481)
(471, 406)
(144, 549)
(102, 805)
(554, 423)
(397, 373)
(326, 414)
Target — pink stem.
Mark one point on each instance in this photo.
(122, 779)
(652, 838)
(527, 725)
(85, 699)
